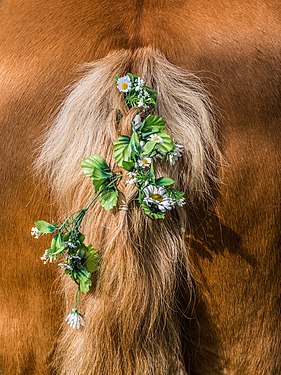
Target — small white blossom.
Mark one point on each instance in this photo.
(136, 122)
(124, 84)
(181, 202)
(176, 153)
(144, 162)
(35, 232)
(140, 82)
(142, 143)
(140, 103)
(157, 195)
(156, 138)
(66, 266)
(146, 94)
(75, 320)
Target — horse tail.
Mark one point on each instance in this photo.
(133, 312)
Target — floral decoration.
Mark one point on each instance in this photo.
(148, 144)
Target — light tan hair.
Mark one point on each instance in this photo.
(132, 313)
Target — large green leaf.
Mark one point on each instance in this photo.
(108, 199)
(134, 146)
(44, 226)
(152, 124)
(121, 149)
(148, 147)
(96, 168)
(167, 144)
(83, 276)
(92, 259)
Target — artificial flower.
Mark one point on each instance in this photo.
(157, 196)
(144, 162)
(74, 319)
(156, 138)
(175, 154)
(136, 122)
(124, 84)
(35, 232)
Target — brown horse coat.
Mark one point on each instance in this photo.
(234, 47)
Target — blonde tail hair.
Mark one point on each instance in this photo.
(132, 314)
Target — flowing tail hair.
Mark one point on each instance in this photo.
(132, 314)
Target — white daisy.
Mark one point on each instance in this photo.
(176, 153)
(158, 196)
(74, 319)
(124, 84)
(144, 162)
(35, 232)
(156, 138)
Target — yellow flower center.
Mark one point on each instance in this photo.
(157, 197)
(144, 161)
(124, 85)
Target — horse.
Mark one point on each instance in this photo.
(196, 293)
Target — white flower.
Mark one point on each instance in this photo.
(140, 103)
(146, 94)
(157, 195)
(176, 153)
(140, 82)
(156, 138)
(136, 122)
(74, 319)
(71, 245)
(181, 202)
(35, 232)
(124, 84)
(142, 143)
(132, 178)
(144, 162)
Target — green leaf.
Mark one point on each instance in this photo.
(83, 276)
(92, 259)
(96, 168)
(44, 226)
(167, 145)
(150, 213)
(121, 149)
(58, 245)
(109, 198)
(134, 145)
(164, 181)
(152, 124)
(148, 147)
(128, 165)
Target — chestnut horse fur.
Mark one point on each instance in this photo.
(223, 309)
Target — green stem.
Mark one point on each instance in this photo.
(77, 298)
(81, 213)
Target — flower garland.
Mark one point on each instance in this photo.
(137, 154)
